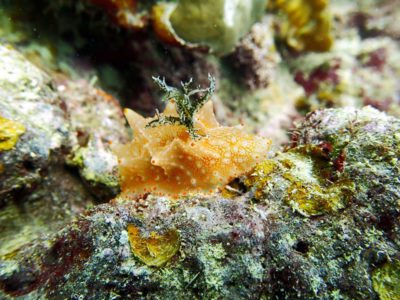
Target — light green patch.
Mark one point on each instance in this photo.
(386, 281)
(254, 267)
(211, 257)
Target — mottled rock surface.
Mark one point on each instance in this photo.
(242, 246)
(40, 190)
(317, 220)
(256, 57)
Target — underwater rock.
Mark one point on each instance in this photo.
(37, 193)
(324, 171)
(42, 129)
(95, 120)
(249, 245)
(255, 56)
(355, 73)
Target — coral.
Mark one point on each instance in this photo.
(307, 25)
(155, 250)
(386, 280)
(214, 24)
(9, 132)
(184, 149)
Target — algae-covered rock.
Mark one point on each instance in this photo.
(28, 99)
(39, 133)
(37, 193)
(386, 280)
(253, 245)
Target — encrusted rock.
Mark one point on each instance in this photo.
(39, 131)
(248, 246)
(256, 57)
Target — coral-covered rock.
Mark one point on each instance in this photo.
(355, 73)
(252, 245)
(95, 120)
(42, 128)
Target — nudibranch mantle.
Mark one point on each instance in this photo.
(166, 160)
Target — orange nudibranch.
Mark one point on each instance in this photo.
(165, 160)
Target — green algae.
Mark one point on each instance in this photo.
(386, 281)
(212, 257)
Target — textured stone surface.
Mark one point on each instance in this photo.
(39, 193)
(256, 57)
(240, 246)
(318, 220)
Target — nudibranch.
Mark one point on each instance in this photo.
(184, 149)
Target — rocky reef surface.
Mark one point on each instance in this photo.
(276, 244)
(39, 187)
(319, 218)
